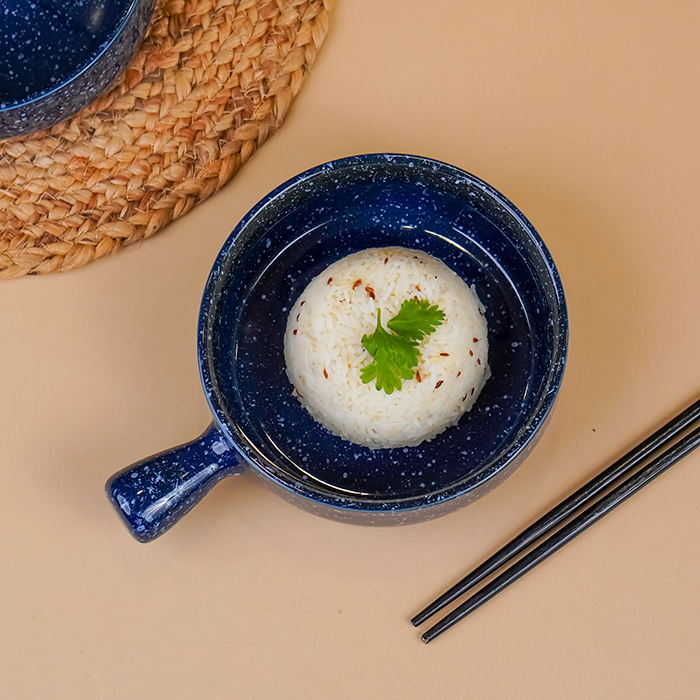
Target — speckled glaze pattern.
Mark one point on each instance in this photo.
(292, 235)
(152, 495)
(59, 55)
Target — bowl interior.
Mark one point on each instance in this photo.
(50, 41)
(340, 208)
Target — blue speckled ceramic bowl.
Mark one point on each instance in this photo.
(280, 245)
(59, 55)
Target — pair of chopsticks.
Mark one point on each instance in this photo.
(661, 444)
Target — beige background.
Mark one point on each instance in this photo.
(585, 114)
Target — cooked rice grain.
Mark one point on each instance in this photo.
(324, 353)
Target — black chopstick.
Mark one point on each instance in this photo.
(568, 532)
(584, 496)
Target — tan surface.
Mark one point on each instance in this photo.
(585, 115)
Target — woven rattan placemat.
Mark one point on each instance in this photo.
(212, 80)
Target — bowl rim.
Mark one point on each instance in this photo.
(8, 107)
(523, 440)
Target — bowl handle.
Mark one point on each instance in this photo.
(153, 494)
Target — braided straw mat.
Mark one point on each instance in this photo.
(212, 80)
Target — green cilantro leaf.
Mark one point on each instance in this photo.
(395, 355)
(394, 358)
(416, 318)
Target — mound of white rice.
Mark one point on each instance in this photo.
(324, 353)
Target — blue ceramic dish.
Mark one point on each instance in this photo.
(59, 55)
(279, 246)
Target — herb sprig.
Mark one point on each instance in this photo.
(395, 355)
